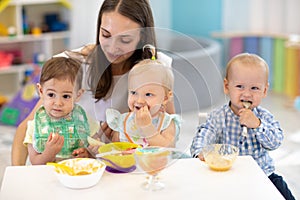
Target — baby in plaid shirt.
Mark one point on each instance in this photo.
(245, 82)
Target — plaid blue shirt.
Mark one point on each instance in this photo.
(223, 126)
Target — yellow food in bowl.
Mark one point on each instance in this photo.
(220, 157)
(79, 173)
(80, 166)
(125, 156)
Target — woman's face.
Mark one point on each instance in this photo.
(119, 36)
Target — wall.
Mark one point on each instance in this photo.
(84, 22)
(84, 19)
(197, 17)
(162, 13)
(276, 16)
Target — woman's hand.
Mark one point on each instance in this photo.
(108, 132)
(93, 150)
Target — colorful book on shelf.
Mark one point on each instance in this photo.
(278, 65)
(236, 46)
(251, 44)
(292, 72)
(266, 52)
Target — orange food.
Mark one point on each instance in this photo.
(82, 173)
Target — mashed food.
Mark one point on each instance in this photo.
(219, 163)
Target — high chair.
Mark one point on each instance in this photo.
(202, 117)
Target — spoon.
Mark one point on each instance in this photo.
(247, 105)
(118, 167)
(112, 152)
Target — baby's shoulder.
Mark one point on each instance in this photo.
(263, 112)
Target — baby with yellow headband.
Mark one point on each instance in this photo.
(150, 87)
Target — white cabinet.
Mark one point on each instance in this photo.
(42, 27)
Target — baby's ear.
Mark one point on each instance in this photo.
(168, 96)
(266, 89)
(79, 94)
(39, 89)
(225, 86)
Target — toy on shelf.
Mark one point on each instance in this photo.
(3, 100)
(15, 111)
(3, 4)
(5, 59)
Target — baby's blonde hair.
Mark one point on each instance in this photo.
(151, 71)
(249, 59)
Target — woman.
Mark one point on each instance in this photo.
(124, 27)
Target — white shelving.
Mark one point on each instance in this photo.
(28, 2)
(28, 45)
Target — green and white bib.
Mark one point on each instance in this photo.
(74, 128)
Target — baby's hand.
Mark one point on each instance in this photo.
(54, 143)
(81, 153)
(143, 117)
(248, 118)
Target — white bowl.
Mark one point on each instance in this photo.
(94, 169)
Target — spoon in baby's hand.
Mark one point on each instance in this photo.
(247, 105)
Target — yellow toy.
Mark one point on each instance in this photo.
(3, 100)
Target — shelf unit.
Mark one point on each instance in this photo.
(29, 45)
(280, 50)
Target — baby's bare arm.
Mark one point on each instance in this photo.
(165, 138)
(53, 146)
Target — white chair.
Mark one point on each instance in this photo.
(202, 117)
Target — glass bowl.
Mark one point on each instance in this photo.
(152, 160)
(220, 157)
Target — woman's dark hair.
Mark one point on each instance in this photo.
(138, 11)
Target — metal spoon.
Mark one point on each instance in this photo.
(247, 105)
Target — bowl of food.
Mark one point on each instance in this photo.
(152, 160)
(79, 173)
(220, 157)
(118, 156)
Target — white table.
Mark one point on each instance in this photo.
(184, 179)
